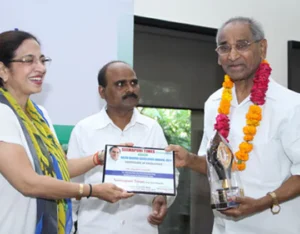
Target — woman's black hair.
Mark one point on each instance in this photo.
(9, 43)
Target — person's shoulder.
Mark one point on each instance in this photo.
(283, 96)
(89, 121)
(43, 110)
(215, 96)
(146, 120)
(9, 122)
(44, 113)
(213, 99)
(6, 112)
(278, 90)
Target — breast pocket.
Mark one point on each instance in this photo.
(268, 160)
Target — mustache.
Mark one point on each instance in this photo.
(133, 95)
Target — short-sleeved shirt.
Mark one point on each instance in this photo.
(126, 216)
(274, 158)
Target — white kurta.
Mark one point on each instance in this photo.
(275, 157)
(126, 216)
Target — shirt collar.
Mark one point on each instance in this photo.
(271, 94)
(103, 120)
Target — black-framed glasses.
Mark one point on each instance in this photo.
(240, 46)
(30, 59)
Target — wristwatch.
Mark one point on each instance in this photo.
(275, 208)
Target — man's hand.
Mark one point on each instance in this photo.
(182, 156)
(247, 206)
(129, 144)
(159, 210)
(110, 192)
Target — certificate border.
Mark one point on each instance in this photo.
(138, 147)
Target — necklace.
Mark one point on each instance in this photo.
(253, 117)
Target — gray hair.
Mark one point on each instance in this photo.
(255, 27)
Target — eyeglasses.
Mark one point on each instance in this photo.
(240, 46)
(30, 59)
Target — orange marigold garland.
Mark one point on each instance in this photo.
(253, 117)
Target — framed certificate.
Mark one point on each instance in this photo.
(140, 170)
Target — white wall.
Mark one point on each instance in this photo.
(80, 38)
(279, 18)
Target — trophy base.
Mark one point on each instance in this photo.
(224, 205)
(224, 200)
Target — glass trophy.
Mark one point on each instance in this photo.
(223, 177)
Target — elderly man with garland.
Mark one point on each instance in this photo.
(261, 121)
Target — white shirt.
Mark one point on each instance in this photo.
(126, 216)
(274, 158)
(17, 212)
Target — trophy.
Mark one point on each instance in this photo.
(223, 177)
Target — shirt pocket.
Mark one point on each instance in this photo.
(268, 160)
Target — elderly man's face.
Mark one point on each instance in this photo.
(115, 153)
(240, 65)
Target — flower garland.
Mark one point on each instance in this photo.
(253, 117)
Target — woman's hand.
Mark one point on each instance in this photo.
(110, 192)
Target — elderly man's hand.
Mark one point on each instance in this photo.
(159, 210)
(182, 156)
(247, 206)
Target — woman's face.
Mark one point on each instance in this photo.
(27, 70)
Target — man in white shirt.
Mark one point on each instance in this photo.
(271, 178)
(118, 122)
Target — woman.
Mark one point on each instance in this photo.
(34, 174)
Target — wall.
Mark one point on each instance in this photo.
(279, 18)
(79, 40)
